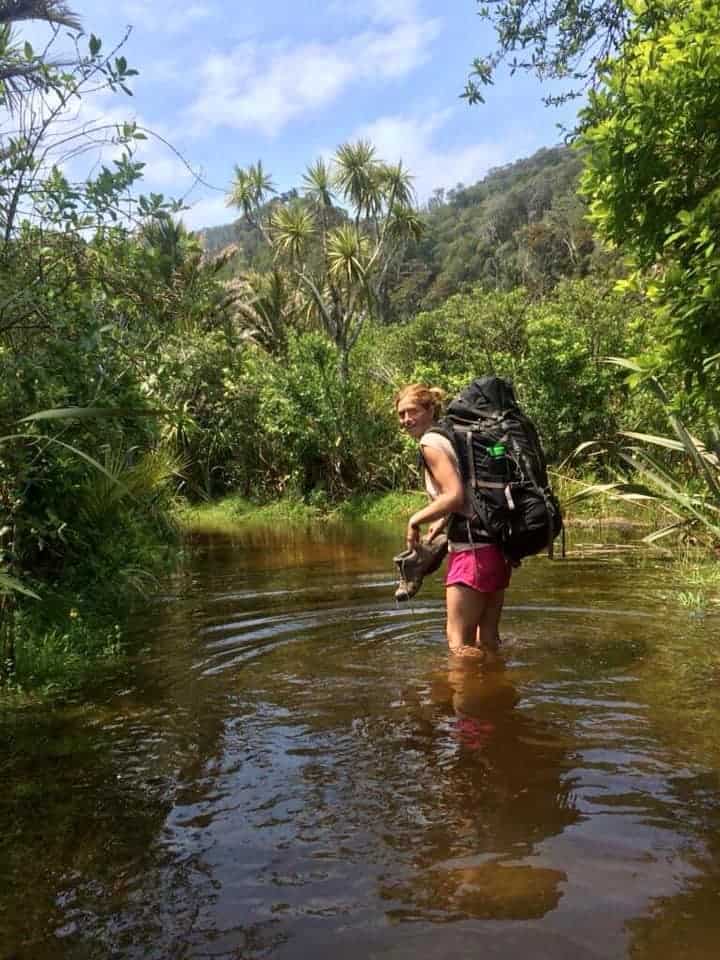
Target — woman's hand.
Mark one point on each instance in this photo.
(435, 528)
(412, 536)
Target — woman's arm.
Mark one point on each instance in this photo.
(450, 499)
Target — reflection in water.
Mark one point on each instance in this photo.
(687, 924)
(506, 791)
(79, 815)
(490, 891)
(290, 768)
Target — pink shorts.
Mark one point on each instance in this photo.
(485, 569)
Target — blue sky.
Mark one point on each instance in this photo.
(285, 82)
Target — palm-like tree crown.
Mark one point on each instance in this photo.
(317, 183)
(396, 183)
(404, 223)
(265, 305)
(356, 175)
(347, 253)
(52, 11)
(173, 244)
(251, 187)
(291, 228)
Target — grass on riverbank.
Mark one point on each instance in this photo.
(602, 509)
(234, 511)
(699, 581)
(74, 632)
(54, 653)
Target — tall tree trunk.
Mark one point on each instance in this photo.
(7, 638)
(344, 364)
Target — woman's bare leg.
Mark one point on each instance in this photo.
(465, 612)
(488, 634)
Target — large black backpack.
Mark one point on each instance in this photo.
(500, 455)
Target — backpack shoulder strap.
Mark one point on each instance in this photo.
(444, 429)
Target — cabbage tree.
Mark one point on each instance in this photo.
(340, 239)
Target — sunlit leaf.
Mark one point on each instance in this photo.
(650, 438)
(10, 584)
(86, 413)
(664, 531)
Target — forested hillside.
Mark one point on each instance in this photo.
(522, 225)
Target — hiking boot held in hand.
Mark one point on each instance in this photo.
(416, 563)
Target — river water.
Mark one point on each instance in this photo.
(290, 766)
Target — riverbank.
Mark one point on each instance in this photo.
(234, 511)
(73, 631)
(395, 506)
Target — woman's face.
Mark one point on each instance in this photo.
(414, 418)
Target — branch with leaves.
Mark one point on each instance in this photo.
(556, 40)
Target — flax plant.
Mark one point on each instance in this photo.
(687, 488)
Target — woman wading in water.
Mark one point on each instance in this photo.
(477, 572)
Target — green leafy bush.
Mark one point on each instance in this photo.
(562, 379)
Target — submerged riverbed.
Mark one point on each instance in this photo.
(290, 766)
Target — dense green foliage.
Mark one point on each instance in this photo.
(102, 297)
(552, 349)
(652, 139)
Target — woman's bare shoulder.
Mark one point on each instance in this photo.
(432, 440)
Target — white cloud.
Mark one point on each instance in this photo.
(238, 93)
(377, 11)
(264, 86)
(208, 212)
(412, 139)
(396, 52)
(171, 16)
